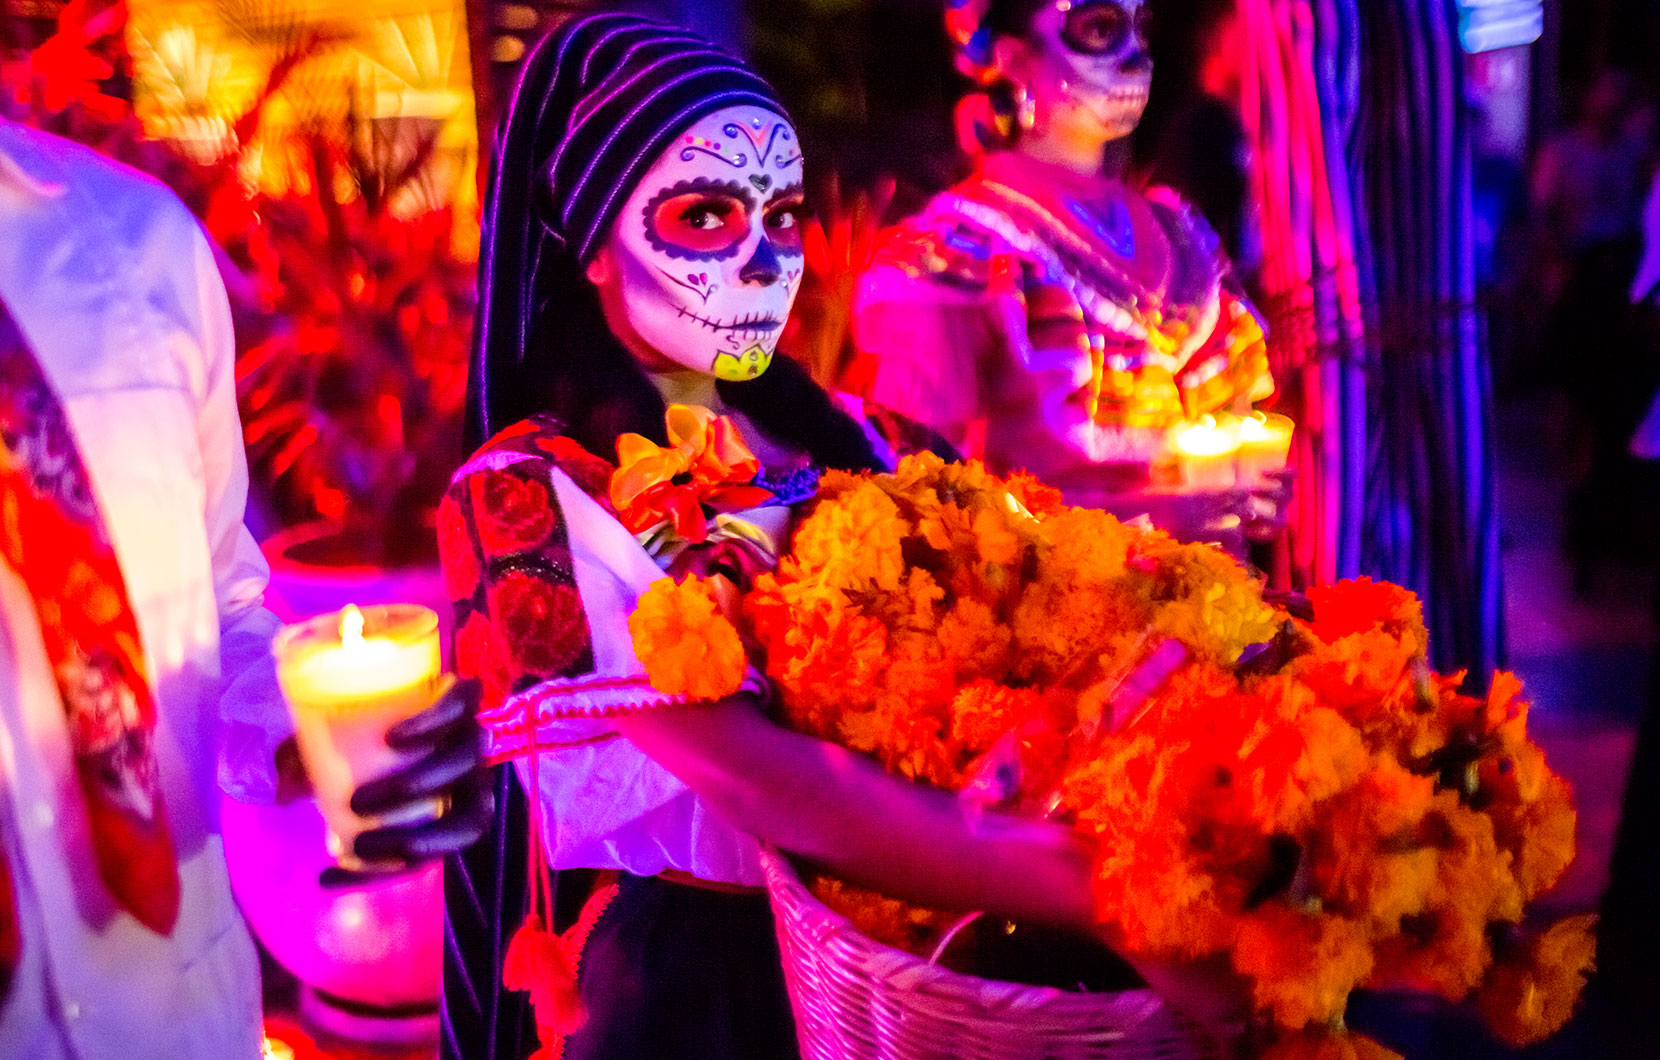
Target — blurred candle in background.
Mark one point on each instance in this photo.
(1205, 452)
(1264, 446)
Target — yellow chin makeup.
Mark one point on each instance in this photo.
(736, 368)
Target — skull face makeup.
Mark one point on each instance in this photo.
(707, 248)
(1094, 61)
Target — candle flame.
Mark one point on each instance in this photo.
(351, 628)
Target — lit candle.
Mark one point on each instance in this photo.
(1205, 451)
(1264, 446)
(275, 1049)
(348, 677)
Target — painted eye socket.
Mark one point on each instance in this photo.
(704, 223)
(783, 221)
(1101, 27)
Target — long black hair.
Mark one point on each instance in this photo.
(598, 101)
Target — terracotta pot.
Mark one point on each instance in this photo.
(369, 958)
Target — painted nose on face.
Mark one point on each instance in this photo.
(763, 267)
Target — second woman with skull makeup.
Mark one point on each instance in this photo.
(1042, 313)
(641, 253)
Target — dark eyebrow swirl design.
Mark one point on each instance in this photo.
(780, 161)
(737, 160)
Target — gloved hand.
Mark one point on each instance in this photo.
(446, 763)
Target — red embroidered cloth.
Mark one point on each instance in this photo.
(53, 536)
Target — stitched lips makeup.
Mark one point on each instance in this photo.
(709, 243)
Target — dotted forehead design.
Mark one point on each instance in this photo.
(696, 145)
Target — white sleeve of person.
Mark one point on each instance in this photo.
(602, 802)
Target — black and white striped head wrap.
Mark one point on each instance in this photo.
(599, 99)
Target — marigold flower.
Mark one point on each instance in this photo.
(688, 646)
(1038, 498)
(1473, 875)
(855, 542)
(983, 712)
(1505, 712)
(1360, 605)
(1370, 678)
(1366, 856)
(1210, 603)
(977, 642)
(1529, 997)
(1324, 1044)
(1060, 628)
(1539, 834)
(1303, 966)
(1442, 952)
(997, 543)
(887, 920)
(1270, 811)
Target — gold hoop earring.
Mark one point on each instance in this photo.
(1013, 111)
(1025, 109)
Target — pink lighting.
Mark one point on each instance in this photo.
(376, 946)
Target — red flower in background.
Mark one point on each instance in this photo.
(540, 622)
(513, 514)
(455, 550)
(66, 69)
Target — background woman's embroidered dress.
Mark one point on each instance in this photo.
(1068, 318)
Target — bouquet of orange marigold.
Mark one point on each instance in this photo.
(1282, 782)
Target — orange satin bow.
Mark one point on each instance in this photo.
(706, 466)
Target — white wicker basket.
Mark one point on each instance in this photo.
(856, 999)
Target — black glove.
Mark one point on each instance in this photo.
(446, 747)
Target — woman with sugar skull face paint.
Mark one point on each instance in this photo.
(705, 262)
(640, 254)
(1043, 314)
